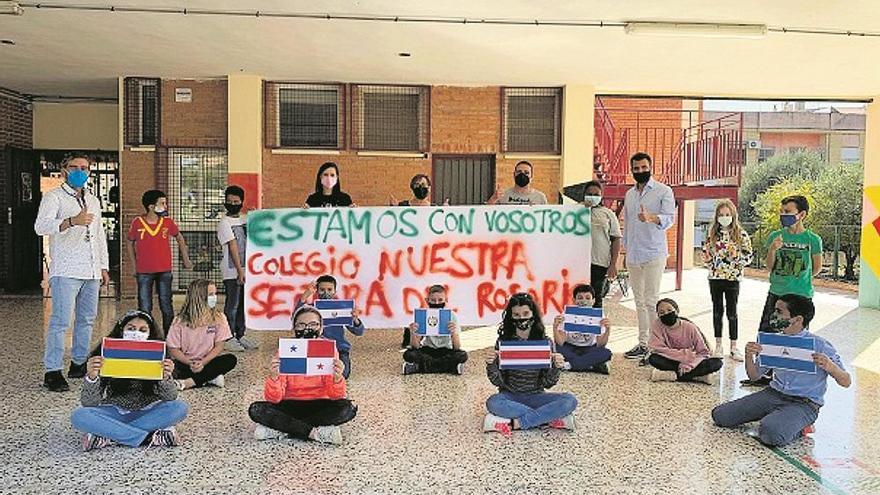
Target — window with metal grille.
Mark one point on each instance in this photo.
(194, 180)
(141, 111)
(390, 118)
(764, 154)
(531, 119)
(304, 115)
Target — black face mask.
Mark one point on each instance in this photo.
(306, 334)
(420, 192)
(522, 179)
(436, 305)
(669, 319)
(522, 323)
(232, 209)
(642, 177)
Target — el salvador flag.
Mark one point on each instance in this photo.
(582, 320)
(433, 321)
(335, 312)
(787, 352)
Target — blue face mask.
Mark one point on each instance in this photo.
(77, 178)
(787, 219)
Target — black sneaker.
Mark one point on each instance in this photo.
(636, 352)
(76, 370)
(55, 382)
(601, 368)
(760, 382)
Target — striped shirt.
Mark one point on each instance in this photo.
(80, 251)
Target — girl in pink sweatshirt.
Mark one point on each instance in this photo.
(678, 348)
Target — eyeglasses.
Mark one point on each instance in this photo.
(307, 326)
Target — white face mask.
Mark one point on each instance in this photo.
(593, 200)
(212, 301)
(725, 220)
(135, 335)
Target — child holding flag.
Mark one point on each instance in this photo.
(325, 288)
(792, 401)
(678, 347)
(435, 353)
(583, 351)
(127, 411)
(197, 337)
(302, 406)
(521, 402)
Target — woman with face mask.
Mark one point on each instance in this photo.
(727, 252)
(521, 402)
(678, 350)
(126, 411)
(196, 339)
(420, 185)
(303, 407)
(328, 189)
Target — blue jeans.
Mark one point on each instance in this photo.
(162, 280)
(233, 308)
(69, 294)
(583, 358)
(531, 409)
(132, 427)
(783, 417)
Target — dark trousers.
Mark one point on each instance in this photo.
(345, 357)
(233, 308)
(298, 417)
(597, 280)
(162, 281)
(769, 307)
(220, 365)
(721, 290)
(583, 358)
(706, 366)
(434, 360)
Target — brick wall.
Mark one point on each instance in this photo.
(16, 129)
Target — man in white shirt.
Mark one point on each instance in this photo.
(71, 217)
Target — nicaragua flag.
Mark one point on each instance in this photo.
(582, 320)
(787, 352)
(433, 321)
(524, 354)
(310, 357)
(137, 359)
(335, 312)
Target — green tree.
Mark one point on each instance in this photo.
(759, 177)
(839, 214)
(767, 204)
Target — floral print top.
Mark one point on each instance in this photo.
(726, 259)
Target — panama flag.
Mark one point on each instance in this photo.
(137, 359)
(433, 321)
(524, 354)
(582, 320)
(335, 312)
(787, 352)
(309, 357)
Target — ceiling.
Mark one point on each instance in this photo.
(77, 53)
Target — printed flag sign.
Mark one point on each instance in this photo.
(310, 357)
(433, 321)
(335, 312)
(582, 320)
(787, 352)
(524, 354)
(140, 360)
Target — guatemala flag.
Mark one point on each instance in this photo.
(582, 320)
(787, 352)
(433, 321)
(524, 354)
(309, 357)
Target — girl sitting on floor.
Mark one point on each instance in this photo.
(678, 348)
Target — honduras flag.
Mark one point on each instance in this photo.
(310, 357)
(433, 321)
(524, 354)
(787, 352)
(335, 312)
(582, 320)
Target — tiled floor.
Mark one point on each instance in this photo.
(421, 434)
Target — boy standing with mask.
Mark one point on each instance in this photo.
(325, 288)
(150, 248)
(521, 194)
(232, 234)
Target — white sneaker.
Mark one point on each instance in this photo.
(459, 369)
(233, 345)
(496, 423)
(328, 434)
(709, 379)
(220, 381)
(248, 344)
(663, 376)
(736, 354)
(719, 352)
(566, 366)
(566, 423)
(265, 433)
